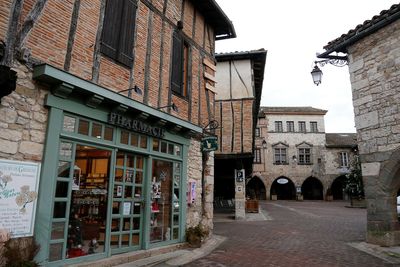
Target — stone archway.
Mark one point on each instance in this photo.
(283, 188)
(255, 189)
(337, 188)
(381, 189)
(312, 189)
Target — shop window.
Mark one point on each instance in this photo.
(178, 150)
(65, 150)
(134, 140)
(97, 130)
(118, 44)
(143, 141)
(108, 133)
(124, 138)
(69, 124)
(156, 144)
(83, 127)
(163, 199)
(56, 251)
(57, 230)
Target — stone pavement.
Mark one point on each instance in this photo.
(285, 233)
(308, 233)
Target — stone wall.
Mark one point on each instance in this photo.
(374, 66)
(23, 120)
(199, 211)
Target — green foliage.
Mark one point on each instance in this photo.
(354, 186)
(196, 234)
(20, 252)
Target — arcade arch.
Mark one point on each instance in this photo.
(255, 188)
(337, 188)
(312, 189)
(283, 188)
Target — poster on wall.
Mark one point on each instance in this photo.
(19, 187)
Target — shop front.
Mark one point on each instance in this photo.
(114, 174)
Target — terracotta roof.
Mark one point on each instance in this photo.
(215, 16)
(341, 139)
(362, 30)
(292, 110)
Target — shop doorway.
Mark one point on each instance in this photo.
(255, 189)
(312, 189)
(283, 189)
(127, 203)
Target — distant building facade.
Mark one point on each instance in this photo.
(239, 80)
(295, 159)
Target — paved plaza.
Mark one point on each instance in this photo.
(308, 233)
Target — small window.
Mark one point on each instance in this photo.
(280, 155)
(180, 65)
(302, 126)
(278, 126)
(314, 127)
(257, 132)
(119, 31)
(304, 155)
(290, 126)
(344, 159)
(257, 155)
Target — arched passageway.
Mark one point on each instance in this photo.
(312, 189)
(337, 188)
(255, 189)
(283, 188)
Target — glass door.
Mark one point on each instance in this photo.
(127, 203)
(165, 204)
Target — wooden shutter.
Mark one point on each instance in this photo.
(127, 33)
(176, 64)
(111, 28)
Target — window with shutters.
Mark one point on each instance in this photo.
(119, 31)
(180, 65)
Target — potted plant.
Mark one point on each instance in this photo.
(195, 235)
(18, 252)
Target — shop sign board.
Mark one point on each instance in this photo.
(19, 187)
(209, 143)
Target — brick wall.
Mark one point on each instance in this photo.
(48, 42)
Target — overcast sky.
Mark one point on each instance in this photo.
(293, 32)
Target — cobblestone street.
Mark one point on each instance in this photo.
(298, 234)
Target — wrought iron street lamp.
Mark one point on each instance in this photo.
(316, 73)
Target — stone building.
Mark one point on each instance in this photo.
(102, 109)
(239, 80)
(372, 51)
(295, 159)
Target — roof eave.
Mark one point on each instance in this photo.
(341, 47)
